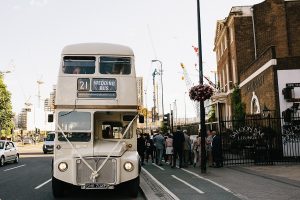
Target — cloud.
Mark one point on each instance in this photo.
(38, 3)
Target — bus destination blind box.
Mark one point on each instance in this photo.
(98, 88)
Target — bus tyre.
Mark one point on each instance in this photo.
(2, 160)
(57, 188)
(45, 152)
(133, 187)
(16, 159)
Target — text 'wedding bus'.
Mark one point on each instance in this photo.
(96, 116)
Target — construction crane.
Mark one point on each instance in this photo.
(189, 84)
(28, 104)
(39, 82)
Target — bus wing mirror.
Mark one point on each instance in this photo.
(141, 119)
(50, 118)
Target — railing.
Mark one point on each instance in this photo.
(260, 140)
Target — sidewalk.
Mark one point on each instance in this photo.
(287, 173)
(25, 149)
(274, 182)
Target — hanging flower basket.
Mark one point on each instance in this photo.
(201, 92)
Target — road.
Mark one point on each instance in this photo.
(185, 184)
(224, 183)
(31, 179)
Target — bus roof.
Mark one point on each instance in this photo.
(97, 48)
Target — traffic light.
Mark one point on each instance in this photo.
(167, 119)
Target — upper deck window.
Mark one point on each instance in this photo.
(115, 65)
(79, 65)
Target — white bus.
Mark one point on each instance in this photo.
(95, 117)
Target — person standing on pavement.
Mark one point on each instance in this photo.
(169, 148)
(159, 143)
(186, 148)
(217, 150)
(208, 141)
(178, 141)
(141, 147)
(197, 150)
(149, 148)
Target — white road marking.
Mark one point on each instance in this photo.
(158, 166)
(161, 185)
(39, 186)
(240, 196)
(186, 183)
(14, 168)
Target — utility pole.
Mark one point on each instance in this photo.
(202, 111)
(162, 87)
(154, 97)
(146, 109)
(184, 109)
(39, 82)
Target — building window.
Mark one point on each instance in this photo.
(234, 71)
(255, 107)
(227, 77)
(225, 41)
(222, 47)
(231, 34)
(223, 80)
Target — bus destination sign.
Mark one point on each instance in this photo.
(97, 88)
(104, 84)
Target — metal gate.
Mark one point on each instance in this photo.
(260, 140)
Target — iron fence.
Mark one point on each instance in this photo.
(260, 140)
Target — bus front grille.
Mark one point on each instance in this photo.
(106, 175)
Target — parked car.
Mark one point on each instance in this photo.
(49, 142)
(8, 152)
(27, 140)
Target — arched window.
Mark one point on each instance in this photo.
(255, 107)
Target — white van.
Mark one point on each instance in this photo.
(49, 142)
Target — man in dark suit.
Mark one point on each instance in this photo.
(141, 147)
(217, 150)
(178, 141)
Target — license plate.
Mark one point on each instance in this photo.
(97, 186)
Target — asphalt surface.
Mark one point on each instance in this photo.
(238, 182)
(185, 184)
(31, 179)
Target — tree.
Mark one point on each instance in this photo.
(238, 105)
(6, 114)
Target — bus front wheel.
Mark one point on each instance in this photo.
(58, 188)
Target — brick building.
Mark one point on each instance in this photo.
(258, 49)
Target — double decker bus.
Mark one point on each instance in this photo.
(95, 117)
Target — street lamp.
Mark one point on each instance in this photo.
(162, 88)
(202, 111)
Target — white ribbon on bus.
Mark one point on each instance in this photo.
(95, 174)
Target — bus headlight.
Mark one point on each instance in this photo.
(128, 166)
(63, 166)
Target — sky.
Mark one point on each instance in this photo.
(33, 33)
